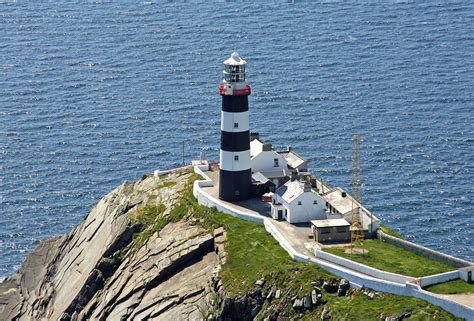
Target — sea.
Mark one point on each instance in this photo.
(93, 93)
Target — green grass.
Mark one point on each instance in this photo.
(252, 253)
(166, 184)
(387, 257)
(452, 287)
(388, 231)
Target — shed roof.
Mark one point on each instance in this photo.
(294, 160)
(259, 177)
(330, 222)
(342, 204)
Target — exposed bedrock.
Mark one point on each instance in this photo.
(94, 272)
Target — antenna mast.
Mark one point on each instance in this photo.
(357, 229)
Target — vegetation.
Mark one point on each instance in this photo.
(252, 253)
(166, 184)
(390, 258)
(452, 287)
(390, 232)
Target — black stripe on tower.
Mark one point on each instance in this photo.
(235, 104)
(235, 142)
(231, 181)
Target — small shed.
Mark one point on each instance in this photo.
(467, 273)
(331, 230)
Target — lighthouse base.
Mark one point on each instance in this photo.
(235, 185)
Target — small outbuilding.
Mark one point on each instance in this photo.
(467, 273)
(331, 230)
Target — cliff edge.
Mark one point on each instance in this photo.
(147, 251)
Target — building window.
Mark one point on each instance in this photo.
(236, 125)
(325, 230)
(299, 202)
(236, 158)
(315, 202)
(275, 162)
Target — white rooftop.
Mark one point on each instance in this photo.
(330, 222)
(290, 190)
(294, 160)
(235, 60)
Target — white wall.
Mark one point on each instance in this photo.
(355, 278)
(393, 277)
(438, 278)
(307, 211)
(264, 162)
(256, 147)
(228, 162)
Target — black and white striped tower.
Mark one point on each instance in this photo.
(235, 173)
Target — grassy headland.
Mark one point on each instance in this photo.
(390, 258)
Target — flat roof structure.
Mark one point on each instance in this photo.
(335, 222)
(294, 159)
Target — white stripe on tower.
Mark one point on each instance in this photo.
(235, 161)
(235, 122)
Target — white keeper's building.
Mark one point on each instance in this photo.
(295, 202)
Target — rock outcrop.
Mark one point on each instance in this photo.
(99, 271)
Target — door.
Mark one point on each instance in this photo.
(280, 215)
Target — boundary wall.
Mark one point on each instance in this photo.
(438, 278)
(423, 251)
(356, 278)
(365, 269)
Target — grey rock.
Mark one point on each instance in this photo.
(277, 294)
(260, 282)
(307, 301)
(314, 297)
(80, 276)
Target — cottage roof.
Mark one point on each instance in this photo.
(259, 177)
(290, 190)
(330, 222)
(294, 160)
(343, 204)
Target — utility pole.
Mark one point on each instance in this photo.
(183, 152)
(357, 227)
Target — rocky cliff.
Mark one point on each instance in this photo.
(103, 270)
(147, 251)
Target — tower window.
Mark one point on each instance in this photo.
(299, 202)
(236, 158)
(236, 125)
(275, 162)
(315, 202)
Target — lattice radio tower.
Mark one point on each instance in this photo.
(357, 229)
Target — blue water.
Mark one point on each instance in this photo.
(92, 94)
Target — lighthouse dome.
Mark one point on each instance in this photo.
(235, 60)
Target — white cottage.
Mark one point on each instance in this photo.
(297, 203)
(269, 163)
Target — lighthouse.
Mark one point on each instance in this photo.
(235, 177)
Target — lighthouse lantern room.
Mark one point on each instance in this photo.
(235, 176)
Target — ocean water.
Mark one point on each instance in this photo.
(95, 93)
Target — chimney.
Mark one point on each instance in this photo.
(289, 148)
(267, 146)
(294, 175)
(307, 186)
(254, 135)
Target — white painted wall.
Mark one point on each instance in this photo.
(439, 278)
(256, 147)
(355, 278)
(229, 163)
(305, 212)
(393, 277)
(228, 119)
(264, 162)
